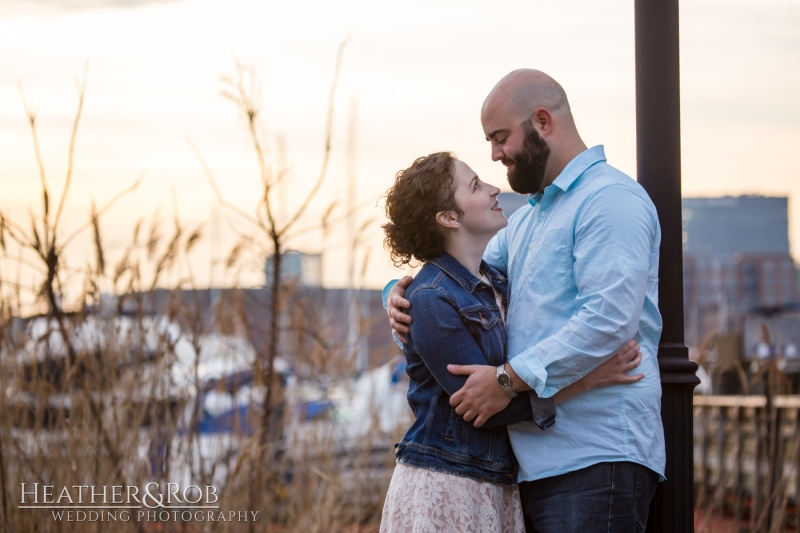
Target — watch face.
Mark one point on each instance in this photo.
(504, 380)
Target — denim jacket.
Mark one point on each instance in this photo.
(456, 320)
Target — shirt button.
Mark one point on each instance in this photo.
(544, 214)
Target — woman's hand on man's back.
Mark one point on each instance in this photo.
(397, 306)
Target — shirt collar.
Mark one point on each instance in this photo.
(579, 164)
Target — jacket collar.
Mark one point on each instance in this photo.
(574, 169)
(459, 273)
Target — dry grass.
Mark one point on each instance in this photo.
(88, 388)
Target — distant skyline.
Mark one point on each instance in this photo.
(418, 72)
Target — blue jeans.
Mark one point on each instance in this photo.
(606, 497)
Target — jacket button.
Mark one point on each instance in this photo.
(484, 321)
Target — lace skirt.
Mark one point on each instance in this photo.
(426, 501)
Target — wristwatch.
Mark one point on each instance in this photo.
(504, 380)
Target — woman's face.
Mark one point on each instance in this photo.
(478, 202)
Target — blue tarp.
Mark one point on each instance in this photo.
(236, 419)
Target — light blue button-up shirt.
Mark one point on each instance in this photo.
(582, 262)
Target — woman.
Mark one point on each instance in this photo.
(450, 475)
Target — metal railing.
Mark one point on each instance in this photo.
(746, 457)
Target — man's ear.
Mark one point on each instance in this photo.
(543, 119)
(447, 219)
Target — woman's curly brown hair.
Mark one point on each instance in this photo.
(419, 192)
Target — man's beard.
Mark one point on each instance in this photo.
(528, 173)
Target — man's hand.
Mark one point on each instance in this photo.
(481, 396)
(396, 305)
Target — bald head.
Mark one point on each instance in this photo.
(527, 118)
(525, 91)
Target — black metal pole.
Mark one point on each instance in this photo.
(658, 145)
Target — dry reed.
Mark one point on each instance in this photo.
(97, 390)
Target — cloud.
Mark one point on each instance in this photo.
(59, 7)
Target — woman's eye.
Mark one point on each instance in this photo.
(477, 184)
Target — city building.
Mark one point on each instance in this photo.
(736, 259)
(297, 267)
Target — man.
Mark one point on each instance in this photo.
(582, 261)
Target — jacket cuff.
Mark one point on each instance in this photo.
(544, 410)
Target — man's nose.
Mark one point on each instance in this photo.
(497, 153)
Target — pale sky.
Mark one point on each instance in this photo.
(419, 71)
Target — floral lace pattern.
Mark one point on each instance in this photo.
(426, 501)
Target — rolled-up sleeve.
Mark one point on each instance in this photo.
(616, 240)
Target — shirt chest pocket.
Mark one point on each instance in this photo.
(549, 262)
(489, 332)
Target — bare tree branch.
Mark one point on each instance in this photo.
(31, 115)
(20, 287)
(71, 152)
(38, 243)
(105, 208)
(221, 199)
(283, 169)
(28, 264)
(246, 99)
(331, 221)
(358, 239)
(310, 333)
(328, 135)
(326, 216)
(98, 242)
(21, 237)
